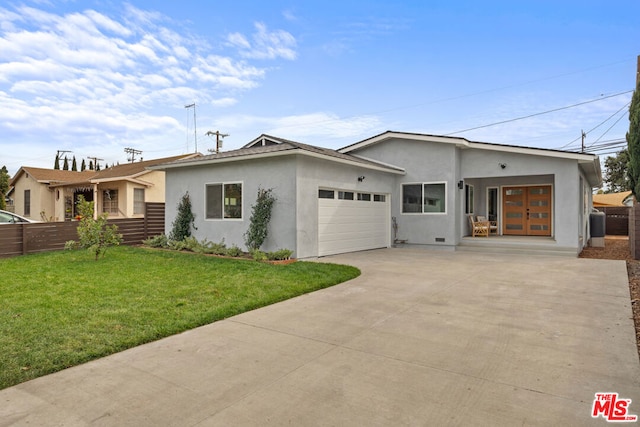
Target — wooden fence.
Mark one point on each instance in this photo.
(617, 220)
(22, 239)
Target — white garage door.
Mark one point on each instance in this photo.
(350, 221)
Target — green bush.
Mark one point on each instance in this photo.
(259, 221)
(159, 241)
(258, 255)
(234, 251)
(184, 220)
(280, 254)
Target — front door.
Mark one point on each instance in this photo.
(526, 210)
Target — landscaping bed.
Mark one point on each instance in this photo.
(618, 248)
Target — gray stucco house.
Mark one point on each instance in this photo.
(393, 188)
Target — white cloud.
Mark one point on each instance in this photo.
(266, 44)
(85, 77)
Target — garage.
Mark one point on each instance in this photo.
(351, 221)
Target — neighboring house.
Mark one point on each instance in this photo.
(33, 193)
(624, 198)
(394, 187)
(120, 190)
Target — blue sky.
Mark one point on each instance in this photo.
(94, 77)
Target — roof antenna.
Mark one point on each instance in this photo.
(195, 133)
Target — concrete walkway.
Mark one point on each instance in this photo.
(420, 338)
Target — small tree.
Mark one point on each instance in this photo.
(616, 174)
(633, 141)
(259, 221)
(4, 186)
(94, 234)
(56, 163)
(184, 221)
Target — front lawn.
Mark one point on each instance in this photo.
(60, 309)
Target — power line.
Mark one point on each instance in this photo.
(539, 114)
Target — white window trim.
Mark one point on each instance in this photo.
(222, 218)
(446, 197)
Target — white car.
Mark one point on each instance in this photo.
(11, 218)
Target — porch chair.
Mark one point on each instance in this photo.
(479, 228)
(493, 225)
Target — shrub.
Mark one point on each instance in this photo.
(184, 220)
(280, 254)
(94, 234)
(159, 241)
(234, 251)
(258, 255)
(259, 221)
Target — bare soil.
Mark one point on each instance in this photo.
(618, 248)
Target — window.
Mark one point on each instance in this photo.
(223, 201)
(366, 197)
(326, 194)
(424, 198)
(345, 195)
(138, 201)
(468, 199)
(379, 198)
(110, 201)
(27, 202)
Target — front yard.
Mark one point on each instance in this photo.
(61, 309)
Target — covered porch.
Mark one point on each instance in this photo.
(532, 245)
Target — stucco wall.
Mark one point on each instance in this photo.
(313, 173)
(276, 173)
(41, 198)
(522, 169)
(423, 162)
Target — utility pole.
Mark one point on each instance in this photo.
(95, 162)
(219, 137)
(195, 133)
(584, 135)
(132, 152)
(58, 156)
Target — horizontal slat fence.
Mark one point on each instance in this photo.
(22, 239)
(617, 220)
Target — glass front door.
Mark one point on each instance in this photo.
(527, 210)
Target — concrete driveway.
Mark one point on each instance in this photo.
(420, 338)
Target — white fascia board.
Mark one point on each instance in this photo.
(277, 154)
(587, 158)
(461, 142)
(115, 179)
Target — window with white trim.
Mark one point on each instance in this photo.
(223, 201)
(138, 201)
(424, 198)
(110, 201)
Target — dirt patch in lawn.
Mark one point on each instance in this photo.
(617, 247)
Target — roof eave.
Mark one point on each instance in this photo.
(462, 142)
(276, 154)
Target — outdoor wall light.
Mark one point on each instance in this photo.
(460, 185)
(502, 165)
(361, 178)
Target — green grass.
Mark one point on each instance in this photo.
(61, 309)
